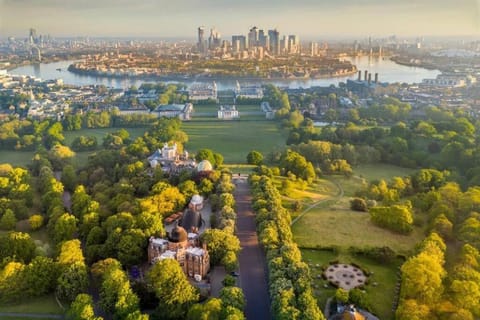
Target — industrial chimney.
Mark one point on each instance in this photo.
(359, 75)
(366, 75)
(376, 77)
(369, 78)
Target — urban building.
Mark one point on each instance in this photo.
(274, 38)
(239, 43)
(170, 160)
(181, 111)
(253, 37)
(202, 91)
(226, 112)
(183, 243)
(250, 91)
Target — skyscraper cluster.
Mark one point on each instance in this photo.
(257, 42)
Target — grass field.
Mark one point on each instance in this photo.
(45, 304)
(17, 158)
(234, 139)
(340, 227)
(384, 275)
(381, 171)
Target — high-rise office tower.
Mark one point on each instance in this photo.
(201, 39)
(214, 40)
(253, 37)
(263, 40)
(293, 44)
(32, 38)
(239, 43)
(274, 37)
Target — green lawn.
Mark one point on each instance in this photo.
(100, 133)
(340, 227)
(16, 158)
(234, 139)
(381, 296)
(45, 304)
(381, 171)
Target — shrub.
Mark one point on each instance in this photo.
(358, 204)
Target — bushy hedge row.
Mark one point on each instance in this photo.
(289, 276)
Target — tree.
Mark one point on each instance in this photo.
(12, 282)
(205, 154)
(410, 309)
(131, 247)
(358, 204)
(219, 242)
(65, 228)
(70, 253)
(8, 220)
(233, 297)
(116, 295)
(254, 157)
(69, 177)
(82, 308)
(422, 277)
(188, 188)
(17, 244)
(341, 295)
(35, 221)
(211, 310)
(168, 201)
(397, 217)
(174, 292)
(40, 276)
(72, 281)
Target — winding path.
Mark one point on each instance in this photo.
(252, 260)
(339, 195)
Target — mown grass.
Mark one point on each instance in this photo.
(339, 226)
(379, 171)
(384, 276)
(16, 158)
(234, 139)
(44, 304)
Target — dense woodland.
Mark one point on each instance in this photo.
(117, 203)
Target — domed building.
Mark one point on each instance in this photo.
(204, 166)
(191, 219)
(183, 247)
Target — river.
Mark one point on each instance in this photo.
(388, 71)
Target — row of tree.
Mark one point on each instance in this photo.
(289, 276)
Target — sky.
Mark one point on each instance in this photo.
(180, 18)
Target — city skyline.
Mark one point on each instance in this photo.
(307, 18)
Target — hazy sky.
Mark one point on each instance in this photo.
(180, 18)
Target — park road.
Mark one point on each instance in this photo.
(253, 265)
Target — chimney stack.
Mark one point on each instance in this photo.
(376, 77)
(359, 75)
(366, 75)
(369, 78)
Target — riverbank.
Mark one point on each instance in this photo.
(203, 76)
(418, 63)
(388, 71)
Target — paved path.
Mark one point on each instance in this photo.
(253, 266)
